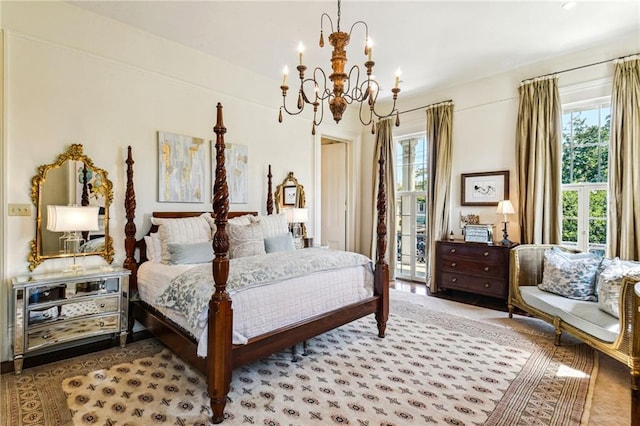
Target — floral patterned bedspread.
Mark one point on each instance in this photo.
(191, 291)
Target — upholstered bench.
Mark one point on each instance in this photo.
(584, 319)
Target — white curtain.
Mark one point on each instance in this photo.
(624, 161)
(439, 129)
(385, 147)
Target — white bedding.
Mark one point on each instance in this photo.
(260, 309)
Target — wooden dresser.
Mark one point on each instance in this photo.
(473, 267)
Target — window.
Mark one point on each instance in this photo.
(585, 150)
(411, 206)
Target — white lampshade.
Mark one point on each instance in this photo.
(72, 218)
(505, 207)
(297, 215)
(300, 215)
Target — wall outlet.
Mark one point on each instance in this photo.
(19, 209)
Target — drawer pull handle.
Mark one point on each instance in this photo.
(487, 285)
(453, 250)
(46, 335)
(453, 280)
(102, 305)
(486, 253)
(486, 268)
(453, 264)
(101, 323)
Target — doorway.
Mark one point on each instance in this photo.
(333, 194)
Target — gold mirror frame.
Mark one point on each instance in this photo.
(300, 197)
(74, 153)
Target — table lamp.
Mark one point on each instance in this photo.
(72, 221)
(296, 217)
(504, 208)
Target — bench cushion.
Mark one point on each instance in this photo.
(581, 314)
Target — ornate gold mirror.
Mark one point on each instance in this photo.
(72, 180)
(290, 195)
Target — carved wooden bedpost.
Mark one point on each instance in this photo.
(130, 237)
(381, 279)
(130, 226)
(269, 192)
(219, 363)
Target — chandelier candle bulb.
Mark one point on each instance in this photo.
(285, 73)
(300, 51)
(398, 72)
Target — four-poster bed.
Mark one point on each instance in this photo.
(222, 354)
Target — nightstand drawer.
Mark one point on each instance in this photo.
(59, 332)
(480, 285)
(480, 266)
(100, 305)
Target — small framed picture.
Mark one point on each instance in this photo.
(478, 233)
(290, 193)
(484, 189)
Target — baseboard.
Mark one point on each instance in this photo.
(65, 353)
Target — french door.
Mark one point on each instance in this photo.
(411, 224)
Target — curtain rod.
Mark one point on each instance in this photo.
(580, 67)
(424, 106)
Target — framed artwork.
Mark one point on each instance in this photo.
(289, 195)
(181, 168)
(236, 163)
(484, 189)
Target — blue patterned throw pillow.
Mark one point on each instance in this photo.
(571, 275)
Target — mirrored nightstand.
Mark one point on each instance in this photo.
(59, 307)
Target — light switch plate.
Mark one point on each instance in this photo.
(19, 209)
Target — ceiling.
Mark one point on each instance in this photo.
(434, 43)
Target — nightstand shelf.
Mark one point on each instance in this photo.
(56, 308)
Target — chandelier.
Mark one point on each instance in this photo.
(346, 88)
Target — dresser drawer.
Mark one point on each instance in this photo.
(472, 251)
(57, 332)
(478, 266)
(487, 286)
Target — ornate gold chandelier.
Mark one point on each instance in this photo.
(347, 88)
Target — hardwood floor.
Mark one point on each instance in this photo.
(456, 296)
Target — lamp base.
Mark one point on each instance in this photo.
(505, 240)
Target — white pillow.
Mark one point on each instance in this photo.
(273, 225)
(154, 248)
(610, 282)
(181, 231)
(245, 240)
(242, 220)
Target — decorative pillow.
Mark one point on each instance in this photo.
(154, 247)
(282, 242)
(245, 240)
(273, 225)
(190, 253)
(211, 221)
(610, 282)
(570, 275)
(246, 219)
(181, 231)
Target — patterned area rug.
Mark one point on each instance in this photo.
(432, 368)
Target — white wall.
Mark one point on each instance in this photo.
(76, 77)
(484, 123)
